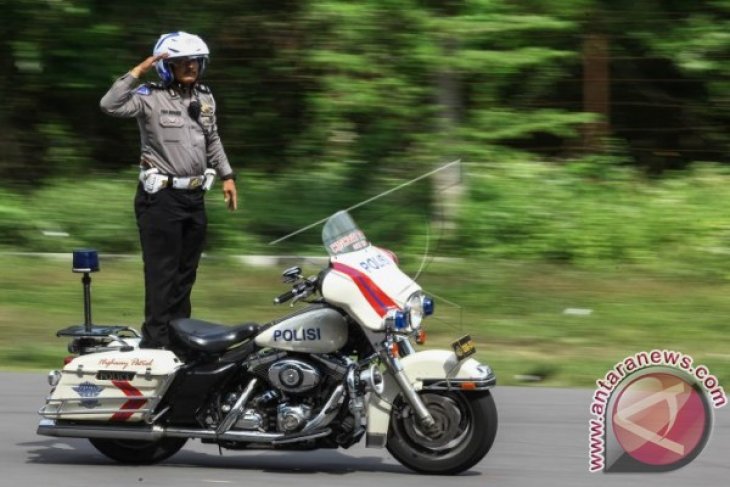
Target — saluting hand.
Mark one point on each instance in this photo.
(147, 64)
(229, 194)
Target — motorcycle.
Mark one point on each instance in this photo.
(339, 369)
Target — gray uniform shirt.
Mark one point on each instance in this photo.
(171, 141)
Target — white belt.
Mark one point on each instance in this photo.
(153, 181)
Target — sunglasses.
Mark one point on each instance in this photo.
(181, 61)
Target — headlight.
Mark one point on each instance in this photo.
(414, 310)
(416, 307)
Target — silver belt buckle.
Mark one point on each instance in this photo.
(195, 182)
(188, 182)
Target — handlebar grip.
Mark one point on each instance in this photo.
(284, 297)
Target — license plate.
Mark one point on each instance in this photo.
(463, 347)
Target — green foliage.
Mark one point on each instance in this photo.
(92, 213)
(506, 125)
(365, 83)
(593, 210)
(325, 103)
(14, 219)
(588, 211)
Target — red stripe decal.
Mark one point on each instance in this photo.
(377, 298)
(130, 391)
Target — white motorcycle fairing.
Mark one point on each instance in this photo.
(367, 283)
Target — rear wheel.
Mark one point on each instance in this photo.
(138, 452)
(467, 425)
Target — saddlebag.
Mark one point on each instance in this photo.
(111, 386)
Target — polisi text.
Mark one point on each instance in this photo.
(298, 335)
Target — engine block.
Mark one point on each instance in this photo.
(294, 376)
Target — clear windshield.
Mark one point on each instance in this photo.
(341, 235)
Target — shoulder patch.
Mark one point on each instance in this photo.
(143, 90)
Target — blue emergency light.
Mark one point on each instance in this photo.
(85, 260)
(399, 320)
(428, 306)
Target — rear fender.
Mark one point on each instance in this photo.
(437, 370)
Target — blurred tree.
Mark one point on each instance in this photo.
(692, 63)
(329, 102)
(379, 73)
(669, 69)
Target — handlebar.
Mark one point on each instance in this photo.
(284, 297)
(299, 291)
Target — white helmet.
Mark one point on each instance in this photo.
(179, 44)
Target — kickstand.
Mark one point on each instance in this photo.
(220, 450)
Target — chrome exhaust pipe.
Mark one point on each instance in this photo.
(49, 427)
(246, 436)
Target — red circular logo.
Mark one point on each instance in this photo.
(660, 419)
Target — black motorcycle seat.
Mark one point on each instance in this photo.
(211, 337)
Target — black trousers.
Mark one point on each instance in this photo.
(172, 226)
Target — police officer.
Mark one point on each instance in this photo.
(181, 153)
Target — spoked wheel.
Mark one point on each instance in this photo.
(467, 425)
(138, 452)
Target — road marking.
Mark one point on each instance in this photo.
(62, 446)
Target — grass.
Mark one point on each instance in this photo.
(514, 310)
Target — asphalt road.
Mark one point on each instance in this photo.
(542, 440)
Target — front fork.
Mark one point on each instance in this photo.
(390, 357)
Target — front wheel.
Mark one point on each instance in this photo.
(467, 425)
(137, 452)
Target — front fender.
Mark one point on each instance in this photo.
(437, 370)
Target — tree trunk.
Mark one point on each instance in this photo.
(596, 90)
